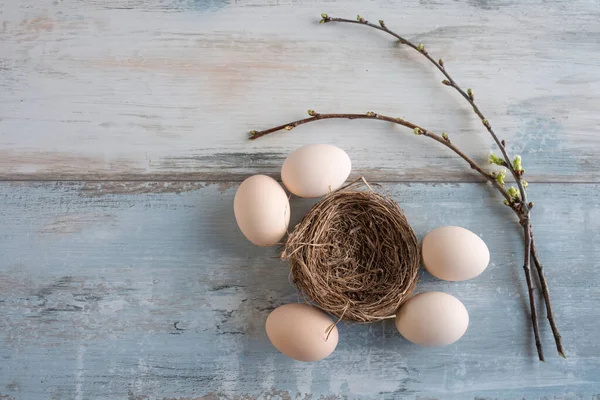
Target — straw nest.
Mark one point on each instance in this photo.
(354, 255)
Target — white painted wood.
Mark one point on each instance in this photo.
(168, 88)
(129, 290)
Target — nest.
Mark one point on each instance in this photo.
(354, 255)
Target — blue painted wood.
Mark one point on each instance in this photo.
(135, 290)
(116, 289)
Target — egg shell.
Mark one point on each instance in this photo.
(262, 210)
(300, 332)
(432, 319)
(453, 253)
(315, 170)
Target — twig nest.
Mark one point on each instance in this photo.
(354, 255)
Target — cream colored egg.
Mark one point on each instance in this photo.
(453, 253)
(262, 210)
(300, 332)
(315, 170)
(432, 319)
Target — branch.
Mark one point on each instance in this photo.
(449, 81)
(546, 293)
(418, 130)
(527, 268)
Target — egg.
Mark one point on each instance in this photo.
(453, 253)
(262, 210)
(300, 332)
(315, 170)
(432, 319)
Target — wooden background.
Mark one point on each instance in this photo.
(123, 128)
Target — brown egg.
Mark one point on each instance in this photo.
(300, 332)
(432, 319)
(453, 253)
(262, 210)
(315, 170)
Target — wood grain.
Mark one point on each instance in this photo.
(129, 290)
(168, 89)
(122, 139)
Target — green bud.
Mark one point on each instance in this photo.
(381, 23)
(359, 18)
(421, 47)
(311, 113)
(252, 133)
(288, 128)
(324, 16)
(399, 119)
(322, 21)
(500, 176)
(441, 62)
(417, 131)
(471, 94)
(524, 182)
(494, 159)
(486, 123)
(513, 192)
(517, 163)
(446, 82)
(445, 136)
(370, 114)
(506, 203)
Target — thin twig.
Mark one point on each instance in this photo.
(546, 292)
(449, 82)
(523, 207)
(527, 269)
(371, 115)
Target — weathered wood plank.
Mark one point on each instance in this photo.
(128, 290)
(167, 89)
